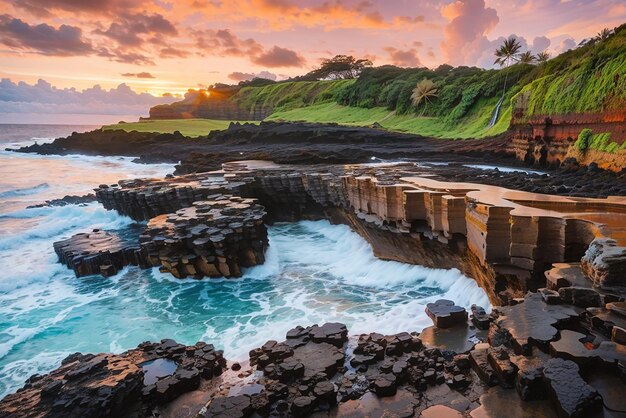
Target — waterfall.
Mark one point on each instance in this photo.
(494, 118)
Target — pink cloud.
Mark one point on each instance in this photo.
(464, 35)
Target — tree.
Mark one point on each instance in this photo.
(506, 54)
(526, 58)
(340, 67)
(424, 91)
(543, 57)
(604, 34)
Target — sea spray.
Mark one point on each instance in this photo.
(315, 272)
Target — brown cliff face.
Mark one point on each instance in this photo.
(549, 140)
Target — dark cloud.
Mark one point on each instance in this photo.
(43, 8)
(123, 56)
(279, 57)
(127, 31)
(239, 76)
(224, 43)
(45, 39)
(170, 52)
(138, 75)
(38, 98)
(404, 58)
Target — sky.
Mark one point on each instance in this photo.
(61, 49)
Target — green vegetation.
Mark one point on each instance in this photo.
(582, 143)
(451, 102)
(290, 95)
(599, 142)
(474, 125)
(187, 127)
(591, 78)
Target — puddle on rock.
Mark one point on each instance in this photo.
(153, 370)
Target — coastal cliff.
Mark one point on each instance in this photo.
(570, 250)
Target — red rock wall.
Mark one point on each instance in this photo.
(548, 140)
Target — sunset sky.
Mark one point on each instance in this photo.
(167, 46)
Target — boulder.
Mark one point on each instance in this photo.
(445, 313)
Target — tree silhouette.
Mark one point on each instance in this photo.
(543, 57)
(526, 58)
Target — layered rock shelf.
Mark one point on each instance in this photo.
(214, 238)
(552, 266)
(99, 252)
(504, 239)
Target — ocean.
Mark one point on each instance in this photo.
(315, 272)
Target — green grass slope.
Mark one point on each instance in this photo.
(588, 79)
(290, 95)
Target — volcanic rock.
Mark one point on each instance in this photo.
(568, 391)
(445, 313)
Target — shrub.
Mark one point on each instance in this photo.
(584, 139)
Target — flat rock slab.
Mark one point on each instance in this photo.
(402, 404)
(533, 322)
(569, 393)
(99, 252)
(445, 313)
(440, 411)
(619, 308)
(571, 347)
(460, 339)
(503, 403)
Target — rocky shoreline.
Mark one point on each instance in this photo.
(545, 370)
(307, 143)
(552, 266)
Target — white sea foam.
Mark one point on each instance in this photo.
(314, 272)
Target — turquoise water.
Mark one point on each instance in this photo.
(315, 272)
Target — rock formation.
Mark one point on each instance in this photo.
(110, 385)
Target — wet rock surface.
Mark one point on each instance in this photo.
(445, 313)
(533, 322)
(66, 200)
(216, 237)
(572, 396)
(113, 385)
(321, 371)
(99, 252)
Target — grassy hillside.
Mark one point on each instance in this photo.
(588, 79)
(188, 127)
(591, 78)
(473, 126)
(290, 95)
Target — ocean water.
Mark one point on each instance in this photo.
(315, 272)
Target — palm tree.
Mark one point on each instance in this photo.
(506, 54)
(424, 91)
(543, 57)
(526, 58)
(604, 34)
